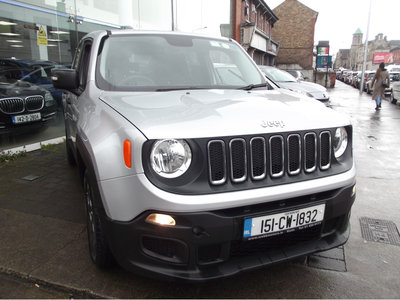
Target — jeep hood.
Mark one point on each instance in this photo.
(211, 113)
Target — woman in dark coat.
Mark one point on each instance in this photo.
(380, 76)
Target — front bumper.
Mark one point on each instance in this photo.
(47, 119)
(209, 245)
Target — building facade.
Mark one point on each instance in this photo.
(342, 59)
(353, 58)
(252, 27)
(295, 31)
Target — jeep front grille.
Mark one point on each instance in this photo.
(268, 157)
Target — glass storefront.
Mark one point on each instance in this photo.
(37, 36)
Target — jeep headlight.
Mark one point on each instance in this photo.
(340, 141)
(170, 158)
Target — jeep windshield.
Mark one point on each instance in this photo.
(163, 62)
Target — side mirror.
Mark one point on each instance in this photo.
(65, 79)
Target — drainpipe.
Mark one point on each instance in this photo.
(172, 15)
(254, 30)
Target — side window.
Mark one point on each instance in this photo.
(81, 62)
(77, 56)
(247, 11)
(84, 65)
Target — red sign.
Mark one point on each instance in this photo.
(386, 58)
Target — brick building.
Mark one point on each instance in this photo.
(295, 31)
(252, 28)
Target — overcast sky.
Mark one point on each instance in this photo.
(338, 20)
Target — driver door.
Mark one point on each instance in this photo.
(71, 101)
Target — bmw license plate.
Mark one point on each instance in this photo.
(265, 226)
(26, 118)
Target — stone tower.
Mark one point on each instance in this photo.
(357, 43)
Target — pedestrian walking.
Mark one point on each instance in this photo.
(381, 78)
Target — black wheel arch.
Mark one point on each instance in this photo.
(84, 162)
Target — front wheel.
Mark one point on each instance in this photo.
(100, 252)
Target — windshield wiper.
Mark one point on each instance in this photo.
(253, 86)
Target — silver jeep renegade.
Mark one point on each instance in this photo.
(194, 165)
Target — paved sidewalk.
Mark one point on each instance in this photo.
(44, 249)
(41, 216)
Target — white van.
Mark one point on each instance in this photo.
(393, 68)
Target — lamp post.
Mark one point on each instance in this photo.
(365, 51)
(172, 15)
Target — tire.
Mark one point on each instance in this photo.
(99, 250)
(392, 99)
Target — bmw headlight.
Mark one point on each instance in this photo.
(48, 99)
(170, 158)
(340, 142)
(48, 96)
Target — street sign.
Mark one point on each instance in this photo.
(42, 35)
(324, 61)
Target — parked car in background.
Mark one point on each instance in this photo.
(347, 76)
(24, 107)
(341, 75)
(393, 68)
(355, 79)
(394, 87)
(37, 72)
(351, 76)
(368, 75)
(287, 81)
(297, 74)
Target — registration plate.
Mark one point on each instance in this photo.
(265, 226)
(26, 118)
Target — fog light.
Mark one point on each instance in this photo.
(161, 219)
(354, 190)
